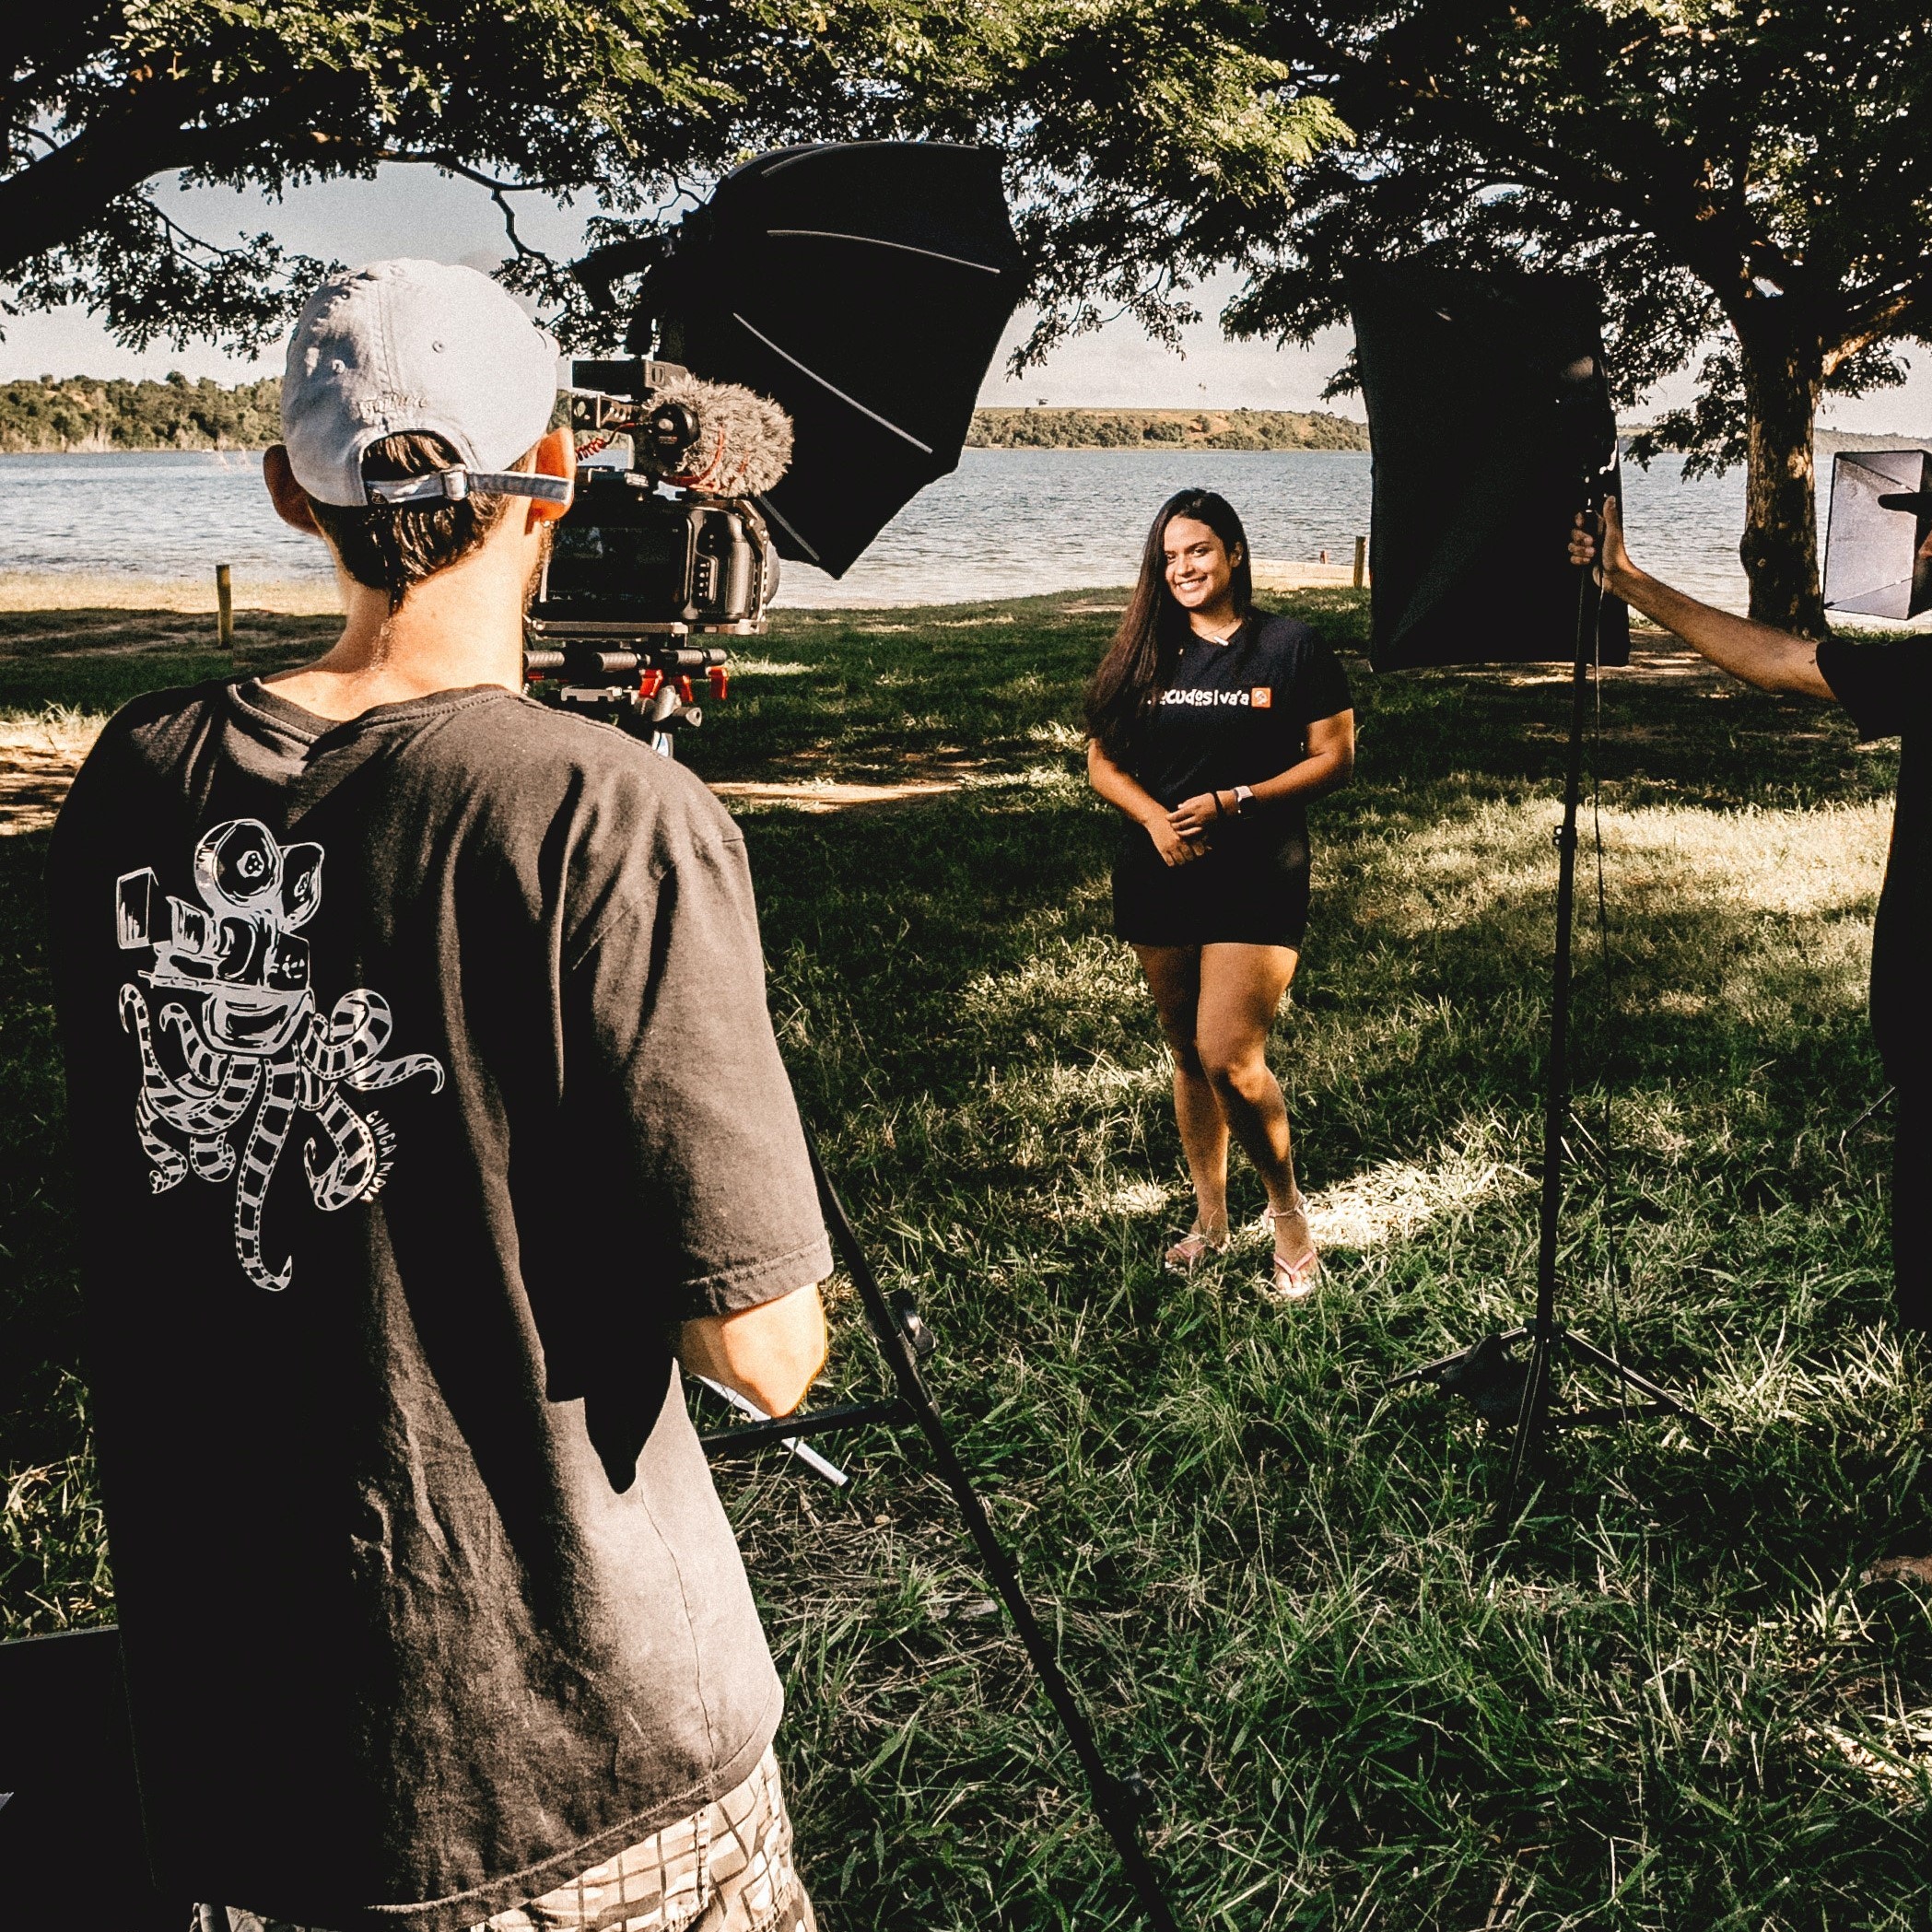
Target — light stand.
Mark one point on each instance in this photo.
(903, 1339)
(1488, 1373)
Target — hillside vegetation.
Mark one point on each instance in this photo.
(84, 413)
(1163, 429)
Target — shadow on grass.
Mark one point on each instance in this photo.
(1675, 1706)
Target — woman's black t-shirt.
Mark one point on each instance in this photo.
(1235, 714)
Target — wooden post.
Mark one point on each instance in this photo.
(224, 605)
(1360, 561)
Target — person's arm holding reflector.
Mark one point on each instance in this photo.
(1773, 659)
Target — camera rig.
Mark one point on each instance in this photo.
(660, 550)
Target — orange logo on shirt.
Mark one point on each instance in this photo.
(1262, 698)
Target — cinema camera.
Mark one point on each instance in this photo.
(661, 549)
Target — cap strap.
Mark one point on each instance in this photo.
(455, 484)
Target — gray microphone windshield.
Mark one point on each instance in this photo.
(714, 437)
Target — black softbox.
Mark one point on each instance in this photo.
(1490, 417)
(863, 286)
(1878, 541)
(71, 1845)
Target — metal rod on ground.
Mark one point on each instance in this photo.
(224, 605)
(1110, 1802)
(1360, 561)
(805, 1454)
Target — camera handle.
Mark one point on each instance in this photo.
(903, 1339)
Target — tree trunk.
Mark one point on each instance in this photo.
(1781, 380)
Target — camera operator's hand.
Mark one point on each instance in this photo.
(1174, 849)
(1194, 817)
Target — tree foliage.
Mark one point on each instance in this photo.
(1756, 173)
(1139, 137)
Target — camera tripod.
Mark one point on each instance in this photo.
(1498, 1383)
(904, 1341)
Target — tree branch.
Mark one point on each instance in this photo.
(1893, 314)
(500, 191)
(53, 200)
(451, 165)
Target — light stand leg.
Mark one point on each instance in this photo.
(1111, 1800)
(1485, 1371)
(1534, 1413)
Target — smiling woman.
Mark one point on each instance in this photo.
(1211, 725)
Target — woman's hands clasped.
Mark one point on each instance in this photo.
(1182, 834)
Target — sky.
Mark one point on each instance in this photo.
(416, 211)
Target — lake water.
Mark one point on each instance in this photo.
(1007, 523)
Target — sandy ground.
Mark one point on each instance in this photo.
(38, 762)
(304, 597)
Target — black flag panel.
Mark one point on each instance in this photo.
(1490, 417)
(71, 1845)
(863, 286)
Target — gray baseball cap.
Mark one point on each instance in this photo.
(416, 346)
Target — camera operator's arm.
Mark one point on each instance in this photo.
(1760, 655)
(772, 1352)
(1129, 795)
(707, 1224)
(1330, 762)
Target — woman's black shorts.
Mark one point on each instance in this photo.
(1239, 897)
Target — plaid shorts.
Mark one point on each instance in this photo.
(726, 1869)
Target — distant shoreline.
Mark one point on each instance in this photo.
(83, 416)
(1164, 429)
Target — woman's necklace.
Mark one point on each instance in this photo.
(1208, 638)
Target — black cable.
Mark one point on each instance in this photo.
(1112, 1802)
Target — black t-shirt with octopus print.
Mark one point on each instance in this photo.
(421, 1083)
(1234, 714)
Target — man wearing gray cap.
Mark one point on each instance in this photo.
(427, 1112)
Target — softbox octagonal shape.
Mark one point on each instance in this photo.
(1490, 417)
(863, 286)
(1879, 541)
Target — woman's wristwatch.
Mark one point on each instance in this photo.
(1244, 797)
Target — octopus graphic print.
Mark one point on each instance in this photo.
(234, 1044)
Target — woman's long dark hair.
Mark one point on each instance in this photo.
(1141, 657)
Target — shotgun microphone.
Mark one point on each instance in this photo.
(715, 437)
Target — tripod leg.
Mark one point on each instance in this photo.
(1531, 1417)
(1111, 1802)
(1610, 1365)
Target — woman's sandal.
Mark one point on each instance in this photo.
(1291, 1280)
(1191, 1251)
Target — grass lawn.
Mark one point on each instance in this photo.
(1672, 1703)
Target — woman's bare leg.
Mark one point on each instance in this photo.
(1174, 978)
(1239, 990)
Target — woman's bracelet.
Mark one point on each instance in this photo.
(1220, 810)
